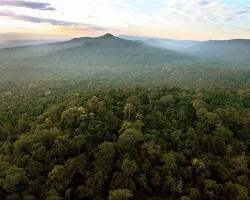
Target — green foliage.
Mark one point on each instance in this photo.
(68, 142)
(120, 194)
(129, 167)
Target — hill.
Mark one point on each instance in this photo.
(177, 45)
(80, 55)
(230, 52)
(113, 59)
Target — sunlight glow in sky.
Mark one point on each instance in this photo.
(177, 19)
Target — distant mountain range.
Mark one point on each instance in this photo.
(164, 43)
(233, 52)
(230, 52)
(18, 43)
(105, 50)
(131, 55)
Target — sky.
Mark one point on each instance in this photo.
(173, 19)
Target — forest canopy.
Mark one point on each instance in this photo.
(68, 141)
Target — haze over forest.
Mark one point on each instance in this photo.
(144, 60)
(124, 100)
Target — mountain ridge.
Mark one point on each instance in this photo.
(147, 40)
(113, 54)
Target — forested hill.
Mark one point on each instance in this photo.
(112, 52)
(112, 59)
(83, 56)
(107, 118)
(107, 41)
(227, 53)
(233, 52)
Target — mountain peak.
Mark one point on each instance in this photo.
(108, 36)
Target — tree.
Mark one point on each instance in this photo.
(92, 104)
(120, 194)
(194, 194)
(129, 140)
(198, 165)
(156, 179)
(120, 180)
(15, 179)
(129, 110)
(107, 151)
(135, 100)
(236, 191)
(216, 145)
(23, 126)
(169, 184)
(53, 195)
(59, 178)
(166, 100)
(78, 142)
(211, 189)
(69, 118)
(129, 167)
(185, 198)
(169, 161)
(239, 163)
(152, 150)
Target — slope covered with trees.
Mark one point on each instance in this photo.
(110, 58)
(109, 118)
(68, 141)
(232, 52)
(84, 56)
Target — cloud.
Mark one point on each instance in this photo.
(171, 18)
(203, 3)
(243, 11)
(55, 22)
(27, 4)
(199, 11)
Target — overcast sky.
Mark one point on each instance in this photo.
(178, 19)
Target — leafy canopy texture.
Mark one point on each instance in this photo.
(76, 142)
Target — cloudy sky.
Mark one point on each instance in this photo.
(179, 19)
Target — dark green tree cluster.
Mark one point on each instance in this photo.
(123, 144)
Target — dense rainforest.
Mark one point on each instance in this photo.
(74, 141)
